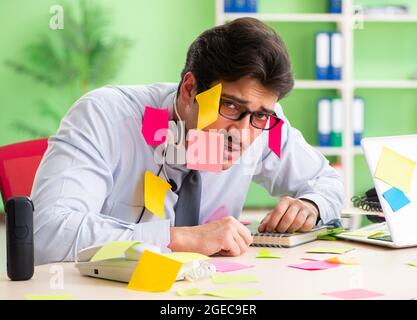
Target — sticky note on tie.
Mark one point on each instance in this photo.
(274, 138)
(264, 253)
(395, 169)
(235, 278)
(396, 199)
(155, 125)
(353, 294)
(186, 257)
(205, 151)
(154, 273)
(155, 192)
(329, 250)
(49, 297)
(208, 106)
(228, 266)
(113, 250)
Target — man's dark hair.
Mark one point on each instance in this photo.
(244, 47)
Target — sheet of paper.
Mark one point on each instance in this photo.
(208, 106)
(395, 169)
(329, 250)
(205, 151)
(234, 293)
(396, 199)
(154, 273)
(49, 297)
(155, 125)
(228, 266)
(264, 253)
(233, 278)
(274, 138)
(113, 250)
(353, 294)
(155, 191)
(186, 257)
(314, 265)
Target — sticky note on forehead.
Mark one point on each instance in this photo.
(395, 169)
(155, 191)
(208, 106)
(155, 125)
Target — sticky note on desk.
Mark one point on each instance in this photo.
(155, 125)
(395, 169)
(264, 253)
(234, 278)
(208, 106)
(353, 294)
(186, 257)
(229, 293)
(49, 297)
(154, 273)
(112, 250)
(155, 192)
(314, 265)
(228, 266)
(329, 250)
(396, 199)
(413, 264)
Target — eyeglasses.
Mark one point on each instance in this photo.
(258, 119)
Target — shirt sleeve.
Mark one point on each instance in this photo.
(301, 172)
(71, 185)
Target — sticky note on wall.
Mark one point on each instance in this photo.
(155, 192)
(155, 125)
(395, 169)
(208, 106)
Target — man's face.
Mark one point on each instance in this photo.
(246, 94)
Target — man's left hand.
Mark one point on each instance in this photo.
(290, 215)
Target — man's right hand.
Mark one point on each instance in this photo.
(226, 237)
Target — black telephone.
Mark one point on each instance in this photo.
(369, 202)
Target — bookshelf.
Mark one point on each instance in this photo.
(345, 88)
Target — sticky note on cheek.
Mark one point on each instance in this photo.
(274, 138)
(154, 273)
(155, 126)
(208, 106)
(155, 192)
(396, 199)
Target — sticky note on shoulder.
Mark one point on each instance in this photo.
(154, 273)
(395, 169)
(155, 125)
(155, 191)
(208, 106)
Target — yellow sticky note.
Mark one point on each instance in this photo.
(208, 106)
(189, 292)
(155, 191)
(350, 261)
(362, 233)
(154, 273)
(413, 264)
(113, 250)
(49, 297)
(395, 169)
(233, 293)
(263, 253)
(329, 250)
(186, 257)
(234, 278)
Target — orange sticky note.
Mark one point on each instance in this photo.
(208, 106)
(154, 273)
(155, 191)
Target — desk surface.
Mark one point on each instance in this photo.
(379, 269)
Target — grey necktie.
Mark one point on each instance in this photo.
(187, 209)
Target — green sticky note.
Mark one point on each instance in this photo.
(113, 250)
(189, 292)
(329, 250)
(49, 297)
(233, 293)
(235, 278)
(263, 253)
(330, 235)
(413, 264)
(363, 233)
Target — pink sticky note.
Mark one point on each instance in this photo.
(314, 265)
(216, 215)
(155, 126)
(353, 294)
(245, 223)
(205, 150)
(274, 139)
(227, 266)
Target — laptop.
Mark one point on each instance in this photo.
(400, 228)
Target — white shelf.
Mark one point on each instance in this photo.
(318, 84)
(390, 18)
(337, 151)
(385, 84)
(284, 17)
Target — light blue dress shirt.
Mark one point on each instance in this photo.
(88, 189)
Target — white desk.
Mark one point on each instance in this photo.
(380, 269)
